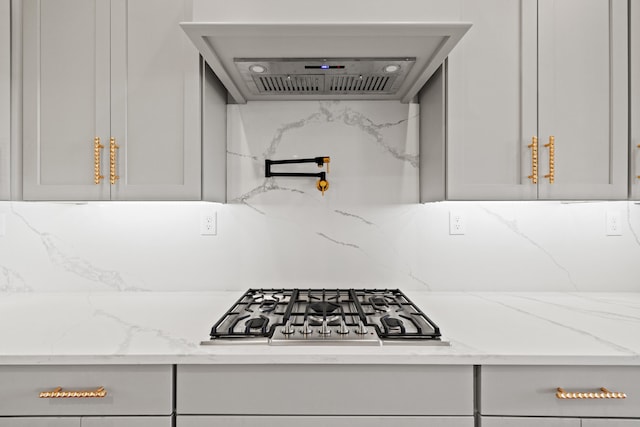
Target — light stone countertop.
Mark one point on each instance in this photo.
(166, 328)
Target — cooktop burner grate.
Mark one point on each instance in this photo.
(325, 316)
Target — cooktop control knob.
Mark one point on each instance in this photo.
(306, 330)
(287, 329)
(361, 329)
(324, 329)
(342, 330)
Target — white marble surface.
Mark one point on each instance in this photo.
(159, 327)
(137, 246)
(368, 230)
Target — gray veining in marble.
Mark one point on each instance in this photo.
(11, 281)
(560, 324)
(75, 264)
(513, 226)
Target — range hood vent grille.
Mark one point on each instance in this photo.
(319, 84)
(289, 84)
(359, 84)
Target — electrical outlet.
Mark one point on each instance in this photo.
(614, 227)
(209, 223)
(456, 223)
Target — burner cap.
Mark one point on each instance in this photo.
(256, 323)
(392, 322)
(379, 303)
(323, 307)
(268, 305)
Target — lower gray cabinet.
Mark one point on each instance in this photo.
(39, 422)
(126, 422)
(86, 422)
(324, 395)
(529, 422)
(559, 396)
(555, 422)
(319, 421)
(326, 390)
(522, 391)
(129, 390)
(610, 423)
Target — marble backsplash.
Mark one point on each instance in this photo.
(367, 231)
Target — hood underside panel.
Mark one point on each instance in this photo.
(284, 61)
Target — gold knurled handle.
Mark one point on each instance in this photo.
(604, 394)
(552, 159)
(97, 173)
(112, 160)
(534, 160)
(100, 392)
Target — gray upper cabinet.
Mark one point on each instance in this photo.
(547, 70)
(635, 99)
(110, 95)
(5, 106)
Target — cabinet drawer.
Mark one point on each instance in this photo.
(86, 422)
(529, 422)
(131, 390)
(344, 421)
(531, 390)
(126, 422)
(324, 389)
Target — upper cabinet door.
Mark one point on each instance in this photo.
(5, 105)
(155, 115)
(583, 98)
(545, 68)
(65, 98)
(635, 98)
(492, 102)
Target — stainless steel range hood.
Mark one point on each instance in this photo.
(324, 60)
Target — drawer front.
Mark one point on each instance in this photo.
(131, 390)
(529, 422)
(610, 423)
(126, 422)
(531, 390)
(86, 422)
(241, 421)
(39, 422)
(324, 390)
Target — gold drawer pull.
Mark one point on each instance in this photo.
(605, 394)
(100, 392)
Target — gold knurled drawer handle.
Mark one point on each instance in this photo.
(605, 394)
(100, 392)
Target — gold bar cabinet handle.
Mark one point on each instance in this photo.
(97, 173)
(58, 393)
(552, 159)
(604, 394)
(112, 160)
(638, 147)
(534, 160)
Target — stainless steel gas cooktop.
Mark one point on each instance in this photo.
(325, 316)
